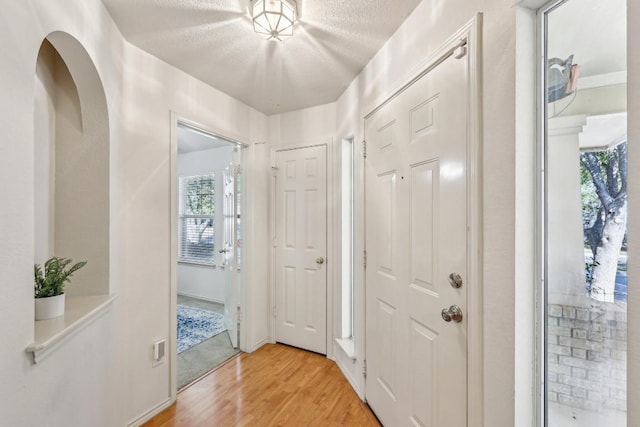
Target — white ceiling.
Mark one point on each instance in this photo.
(190, 140)
(594, 31)
(214, 41)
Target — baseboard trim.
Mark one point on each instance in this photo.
(258, 345)
(349, 378)
(150, 414)
(200, 297)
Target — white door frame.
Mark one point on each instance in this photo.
(243, 296)
(331, 250)
(471, 33)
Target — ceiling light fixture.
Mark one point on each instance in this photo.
(273, 18)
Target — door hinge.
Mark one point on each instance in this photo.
(364, 148)
(275, 169)
(364, 369)
(365, 260)
(239, 315)
(275, 311)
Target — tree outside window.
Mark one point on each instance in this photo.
(604, 213)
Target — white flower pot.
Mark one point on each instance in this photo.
(49, 307)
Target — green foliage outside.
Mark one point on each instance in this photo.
(198, 193)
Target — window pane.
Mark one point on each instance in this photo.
(586, 214)
(197, 225)
(197, 241)
(198, 195)
(347, 238)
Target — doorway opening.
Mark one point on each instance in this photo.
(585, 213)
(208, 259)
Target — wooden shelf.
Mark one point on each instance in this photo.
(80, 312)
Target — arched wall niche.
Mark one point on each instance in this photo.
(71, 159)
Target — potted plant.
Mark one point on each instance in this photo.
(49, 286)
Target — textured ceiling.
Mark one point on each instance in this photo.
(214, 41)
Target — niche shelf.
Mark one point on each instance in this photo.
(80, 312)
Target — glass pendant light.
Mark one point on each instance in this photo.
(273, 18)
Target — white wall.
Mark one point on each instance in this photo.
(148, 96)
(203, 282)
(103, 376)
(76, 385)
(206, 282)
(303, 127)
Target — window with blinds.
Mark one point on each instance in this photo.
(197, 222)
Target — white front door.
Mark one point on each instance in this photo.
(416, 236)
(301, 242)
(230, 251)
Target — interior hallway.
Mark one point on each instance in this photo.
(275, 385)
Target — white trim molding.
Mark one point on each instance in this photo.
(80, 313)
(150, 413)
(245, 294)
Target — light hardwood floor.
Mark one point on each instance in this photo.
(275, 385)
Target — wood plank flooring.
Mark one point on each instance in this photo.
(276, 385)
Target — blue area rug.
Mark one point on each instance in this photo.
(196, 325)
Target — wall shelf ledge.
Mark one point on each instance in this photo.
(80, 312)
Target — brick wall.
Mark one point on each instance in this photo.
(587, 356)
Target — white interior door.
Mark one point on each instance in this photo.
(301, 242)
(229, 251)
(416, 236)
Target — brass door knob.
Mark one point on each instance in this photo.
(320, 260)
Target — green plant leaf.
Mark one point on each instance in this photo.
(51, 282)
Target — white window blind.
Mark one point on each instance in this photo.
(197, 221)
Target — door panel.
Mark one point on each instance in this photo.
(229, 251)
(301, 228)
(416, 204)
(423, 222)
(423, 384)
(387, 348)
